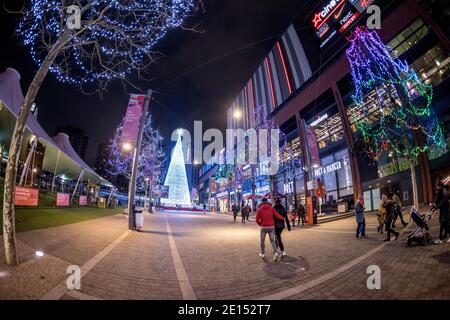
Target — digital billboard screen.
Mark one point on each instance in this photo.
(335, 17)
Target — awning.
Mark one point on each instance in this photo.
(70, 164)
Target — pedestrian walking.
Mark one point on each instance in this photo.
(301, 212)
(265, 218)
(398, 210)
(279, 225)
(381, 214)
(243, 213)
(235, 208)
(249, 209)
(292, 215)
(444, 216)
(360, 219)
(390, 214)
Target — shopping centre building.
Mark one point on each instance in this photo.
(304, 85)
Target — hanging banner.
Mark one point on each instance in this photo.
(212, 185)
(62, 199)
(312, 146)
(132, 118)
(26, 197)
(83, 201)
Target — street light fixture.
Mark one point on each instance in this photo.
(237, 114)
(126, 146)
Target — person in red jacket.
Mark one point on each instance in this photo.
(265, 219)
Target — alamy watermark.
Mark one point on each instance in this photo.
(238, 147)
(374, 280)
(74, 280)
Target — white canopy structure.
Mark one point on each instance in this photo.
(60, 157)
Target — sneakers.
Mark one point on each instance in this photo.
(283, 254)
(262, 255)
(438, 241)
(275, 256)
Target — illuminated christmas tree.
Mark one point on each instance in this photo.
(176, 178)
(392, 105)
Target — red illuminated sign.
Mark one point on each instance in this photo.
(321, 17)
(336, 17)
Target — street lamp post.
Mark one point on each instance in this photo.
(137, 151)
(145, 195)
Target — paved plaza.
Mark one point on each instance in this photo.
(182, 255)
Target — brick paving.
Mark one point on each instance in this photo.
(220, 259)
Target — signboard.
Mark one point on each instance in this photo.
(26, 197)
(335, 17)
(83, 201)
(164, 191)
(62, 199)
(288, 187)
(328, 168)
(262, 190)
(222, 194)
(101, 202)
(212, 185)
(132, 118)
(194, 193)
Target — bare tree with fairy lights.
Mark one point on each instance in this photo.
(112, 39)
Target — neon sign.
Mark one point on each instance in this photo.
(321, 17)
(336, 17)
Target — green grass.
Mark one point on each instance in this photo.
(32, 219)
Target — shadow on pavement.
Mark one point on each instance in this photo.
(286, 268)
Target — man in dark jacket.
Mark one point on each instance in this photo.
(390, 214)
(265, 218)
(279, 225)
(444, 206)
(235, 208)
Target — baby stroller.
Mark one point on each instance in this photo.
(420, 235)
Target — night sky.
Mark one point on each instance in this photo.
(196, 79)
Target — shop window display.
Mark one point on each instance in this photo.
(335, 176)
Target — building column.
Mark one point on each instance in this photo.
(303, 145)
(350, 141)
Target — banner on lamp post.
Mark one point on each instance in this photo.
(132, 118)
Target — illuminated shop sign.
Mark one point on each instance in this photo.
(336, 17)
(319, 120)
(328, 168)
(288, 187)
(263, 189)
(222, 194)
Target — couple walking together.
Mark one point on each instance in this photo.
(272, 221)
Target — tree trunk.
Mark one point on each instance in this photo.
(9, 229)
